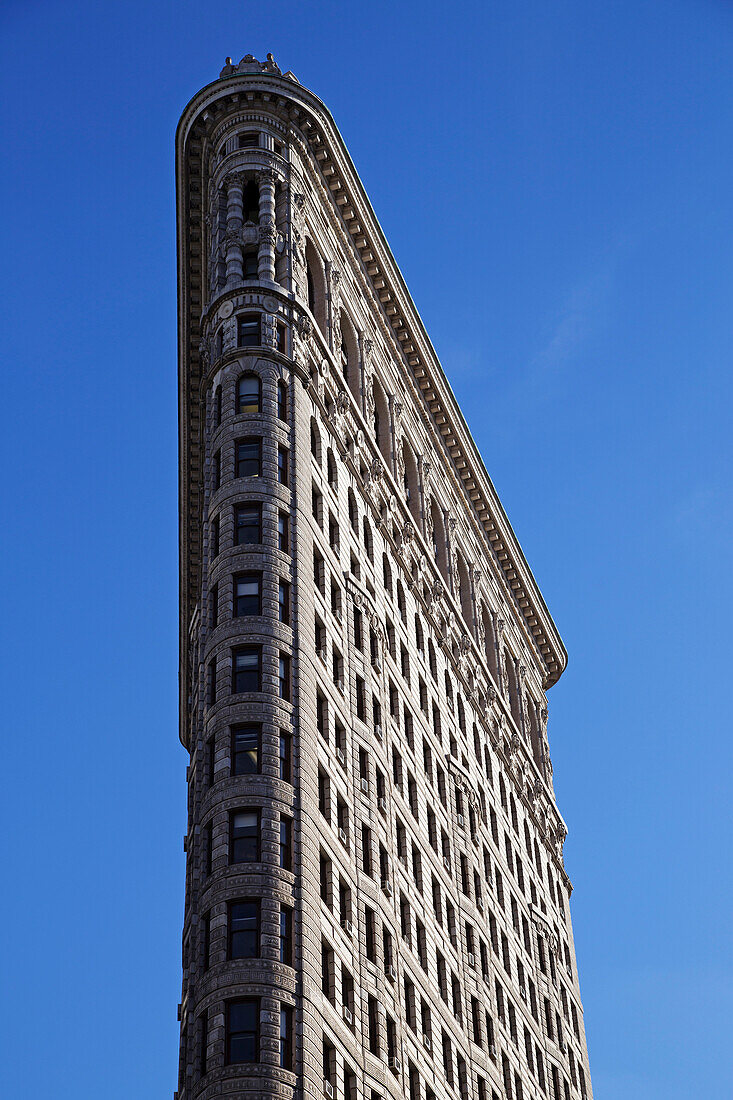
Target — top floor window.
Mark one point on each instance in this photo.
(248, 140)
(248, 330)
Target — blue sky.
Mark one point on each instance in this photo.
(556, 183)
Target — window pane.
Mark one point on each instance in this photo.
(244, 918)
(246, 670)
(245, 749)
(247, 594)
(248, 460)
(247, 524)
(248, 331)
(249, 389)
(245, 837)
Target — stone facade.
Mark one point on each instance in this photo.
(376, 902)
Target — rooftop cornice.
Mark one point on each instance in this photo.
(254, 80)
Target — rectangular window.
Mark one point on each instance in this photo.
(283, 676)
(286, 843)
(214, 605)
(283, 601)
(283, 533)
(281, 334)
(366, 850)
(247, 524)
(286, 1037)
(246, 669)
(215, 537)
(286, 935)
(244, 929)
(216, 472)
(242, 1038)
(248, 330)
(283, 457)
(212, 681)
(248, 457)
(370, 932)
(285, 757)
(247, 594)
(249, 140)
(244, 838)
(245, 750)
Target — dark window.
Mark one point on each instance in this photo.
(283, 539)
(245, 750)
(244, 844)
(286, 935)
(283, 600)
(214, 605)
(216, 472)
(251, 200)
(248, 335)
(215, 537)
(242, 1031)
(283, 677)
(282, 392)
(248, 457)
(285, 756)
(250, 264)
(286, 1037)
(281, 345)
(247, 599)
(212, 681)
(246, 670)
(244, 931)
(247, 524)
(249, 394)
(286, 843)
(204, 1041)
(249, 140)
(283, 456)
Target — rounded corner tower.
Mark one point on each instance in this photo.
(376, 903)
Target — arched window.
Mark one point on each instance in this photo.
(331, 469)
(316, 285)
(433, 664)
(315, 441)
(220, 342)
(419, 639)
(282, 400)
(353, 513)
(350, 355)
(534, 734)
(401, 602)
(411, 482)
(487, 620)
(464, 592)
(368, 540)
(439, 542)
(514, 700)
(387, 574)
(249, 394)
(382, 421)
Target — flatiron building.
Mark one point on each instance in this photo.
(376, 904)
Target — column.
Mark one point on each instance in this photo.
(234, 231)
(268, 232)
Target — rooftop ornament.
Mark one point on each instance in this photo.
(250, 64)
